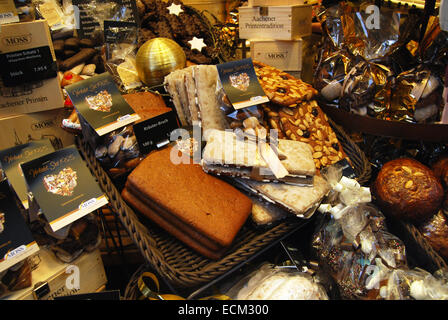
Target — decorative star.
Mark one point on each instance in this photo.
(197, 43)
(175, 9)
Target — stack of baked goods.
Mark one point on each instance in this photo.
(196, 94)
(200, 210)
(306, 143)
(413, 192)
(192, 90)
(241, 173)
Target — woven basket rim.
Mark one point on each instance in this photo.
(164, 258)
(416, 235)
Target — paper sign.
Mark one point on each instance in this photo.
(240, 83)
(100, 103)
(63, 187)
(16, 240)
(11, 158)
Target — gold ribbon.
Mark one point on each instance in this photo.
(153, 294)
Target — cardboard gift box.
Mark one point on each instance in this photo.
(275, 22)
(284, 55)
(23, 128)
(26, 52)
(52, 278)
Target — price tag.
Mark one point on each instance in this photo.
(153, 133)
(28, 65)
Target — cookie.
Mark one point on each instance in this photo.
(308, 123)
(281, 87)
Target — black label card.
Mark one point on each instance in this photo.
(28, 65)
(240, 83)
(16, 240)
(89, 22)
(100, 103)
(153, 133)
(11, 158)
(63, 187)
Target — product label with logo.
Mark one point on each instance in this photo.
(16, 240)
(100, 103)
(240, 83)
(11, 158)
(63, 187)
(29, 79)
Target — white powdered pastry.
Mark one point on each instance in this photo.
(265, 213)
(170, 86)
(225, 148)
(296, 199)
(205, 78)
(283, 286)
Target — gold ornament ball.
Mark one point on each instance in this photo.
(156, 58)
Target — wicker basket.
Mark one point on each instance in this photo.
(177, 263)
(419, 251)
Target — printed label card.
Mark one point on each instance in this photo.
(11, 158)
(16, 241)
(240, 83)
(101, 104)
(63, 187)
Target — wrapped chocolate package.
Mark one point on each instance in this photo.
(416, 97)
(329, 78)
(365, 260)
(365, 88)
(393, 75)
(351, 27)
(121, 47)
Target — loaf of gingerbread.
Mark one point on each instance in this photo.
(198, 209)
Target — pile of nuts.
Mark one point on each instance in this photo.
(307, 123)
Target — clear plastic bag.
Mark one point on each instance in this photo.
(244, 119)
(275, 283)
(16, 278)
(365, 260)
(117, 151)
(68, 243)
(120, 52)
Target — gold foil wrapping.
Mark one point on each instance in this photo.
(156, 58)
(382, 72)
